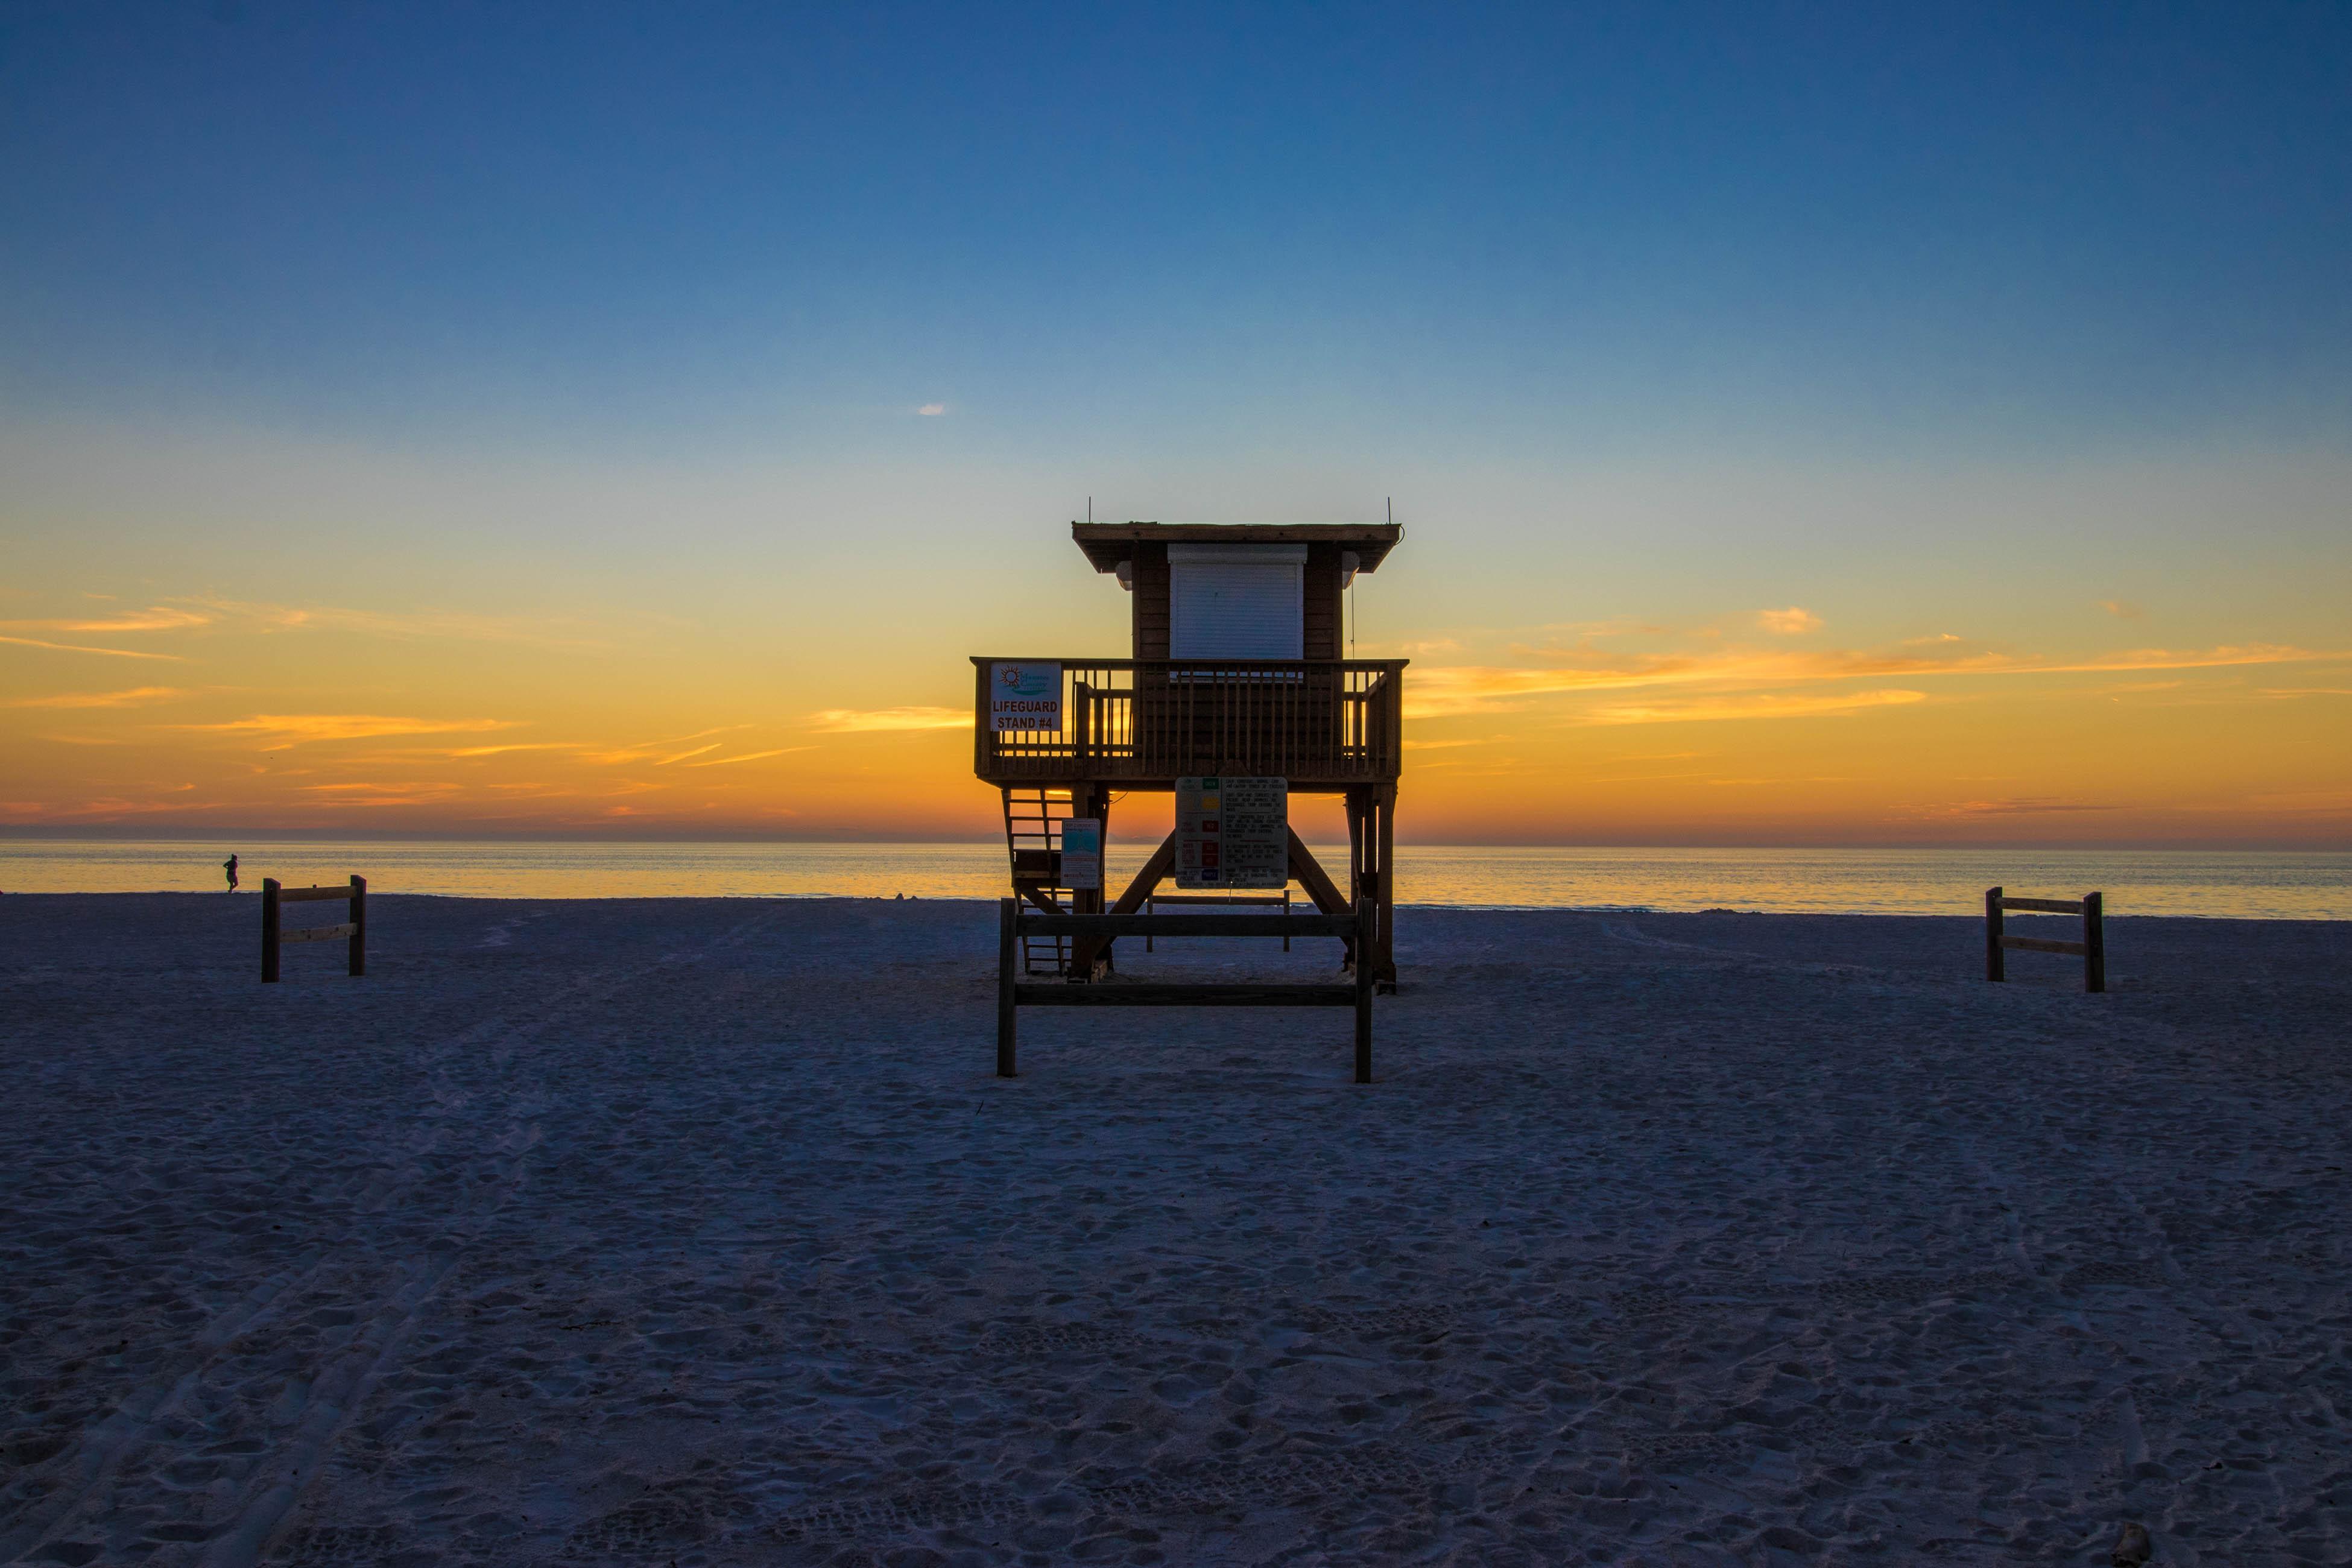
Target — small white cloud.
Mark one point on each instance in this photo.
(1790, 622)
(932, 410)
(2122, 609)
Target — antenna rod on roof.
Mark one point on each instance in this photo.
(1391, 511)
(1090, 508)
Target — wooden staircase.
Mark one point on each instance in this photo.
(1033, 836)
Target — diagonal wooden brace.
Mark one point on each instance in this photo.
(1084, 950)
(1327, 897)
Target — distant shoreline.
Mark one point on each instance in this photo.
(2269, 884)
(985, 907)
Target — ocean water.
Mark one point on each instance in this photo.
(2277, 886)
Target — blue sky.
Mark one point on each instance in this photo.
(1767, 228)
(1937, 419)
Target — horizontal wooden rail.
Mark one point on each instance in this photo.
(313, 895)
(1189, 925)
(1012, 997)
(2041, 944)
(2092, 950)
(1121, 994)
(1218, 901)
(320, 934)
(1281, 901)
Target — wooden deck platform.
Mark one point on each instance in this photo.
(1325, 725)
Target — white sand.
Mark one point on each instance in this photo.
(700, 1232)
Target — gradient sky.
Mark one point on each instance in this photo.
(1813, 424)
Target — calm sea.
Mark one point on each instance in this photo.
(2313, 885)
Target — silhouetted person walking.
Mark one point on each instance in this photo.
(229, 865)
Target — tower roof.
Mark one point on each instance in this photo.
(1109, 543)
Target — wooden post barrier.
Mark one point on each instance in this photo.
(275, 936)
(1012, 995)
(2092, 949)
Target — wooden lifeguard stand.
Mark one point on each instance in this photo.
(1237, 670)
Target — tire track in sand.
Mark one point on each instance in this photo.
(357, 1362)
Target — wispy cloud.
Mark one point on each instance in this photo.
(2022, 806)
(1760, 705)
(1469, 689)
(76, 648)
(2122, 609)
(381, 794)
(697, 735)
(1790, 622)
(645, 750)
(403, 789)
(853, 721)
(136, 697)
(295, 728)
(2322, 802)
(750, 756)
(932, 410)
(540, 631)
(102, 809)
(158, 618)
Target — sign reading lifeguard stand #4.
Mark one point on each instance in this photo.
(1024, 696)
(1232, 832)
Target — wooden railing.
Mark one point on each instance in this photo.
(2092, 949)
(1307, 720)
(275, 934)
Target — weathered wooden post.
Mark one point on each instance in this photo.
(1995, 967)
(358, 924)
(1363, 998)
(2094, 942)
(269, 930)
(1007, 938)
(1387, 887)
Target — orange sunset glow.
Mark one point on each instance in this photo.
(1615, 695)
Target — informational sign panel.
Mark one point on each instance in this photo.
(1232, 832)
(1082, 855)
(1024, 696)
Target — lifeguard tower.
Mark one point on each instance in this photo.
(1236, 675)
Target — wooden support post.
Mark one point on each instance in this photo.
(269, 930)
(1007, 937)
(2094, 942)
(1096, 800)
(982, 741)
(358, 924)
(1996, 966)
(1384, 945)
(1360, 843)
(1355, 844)
(1363, 1003)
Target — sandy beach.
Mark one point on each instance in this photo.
(698, 1232)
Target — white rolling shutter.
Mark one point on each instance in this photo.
(1236, 601)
